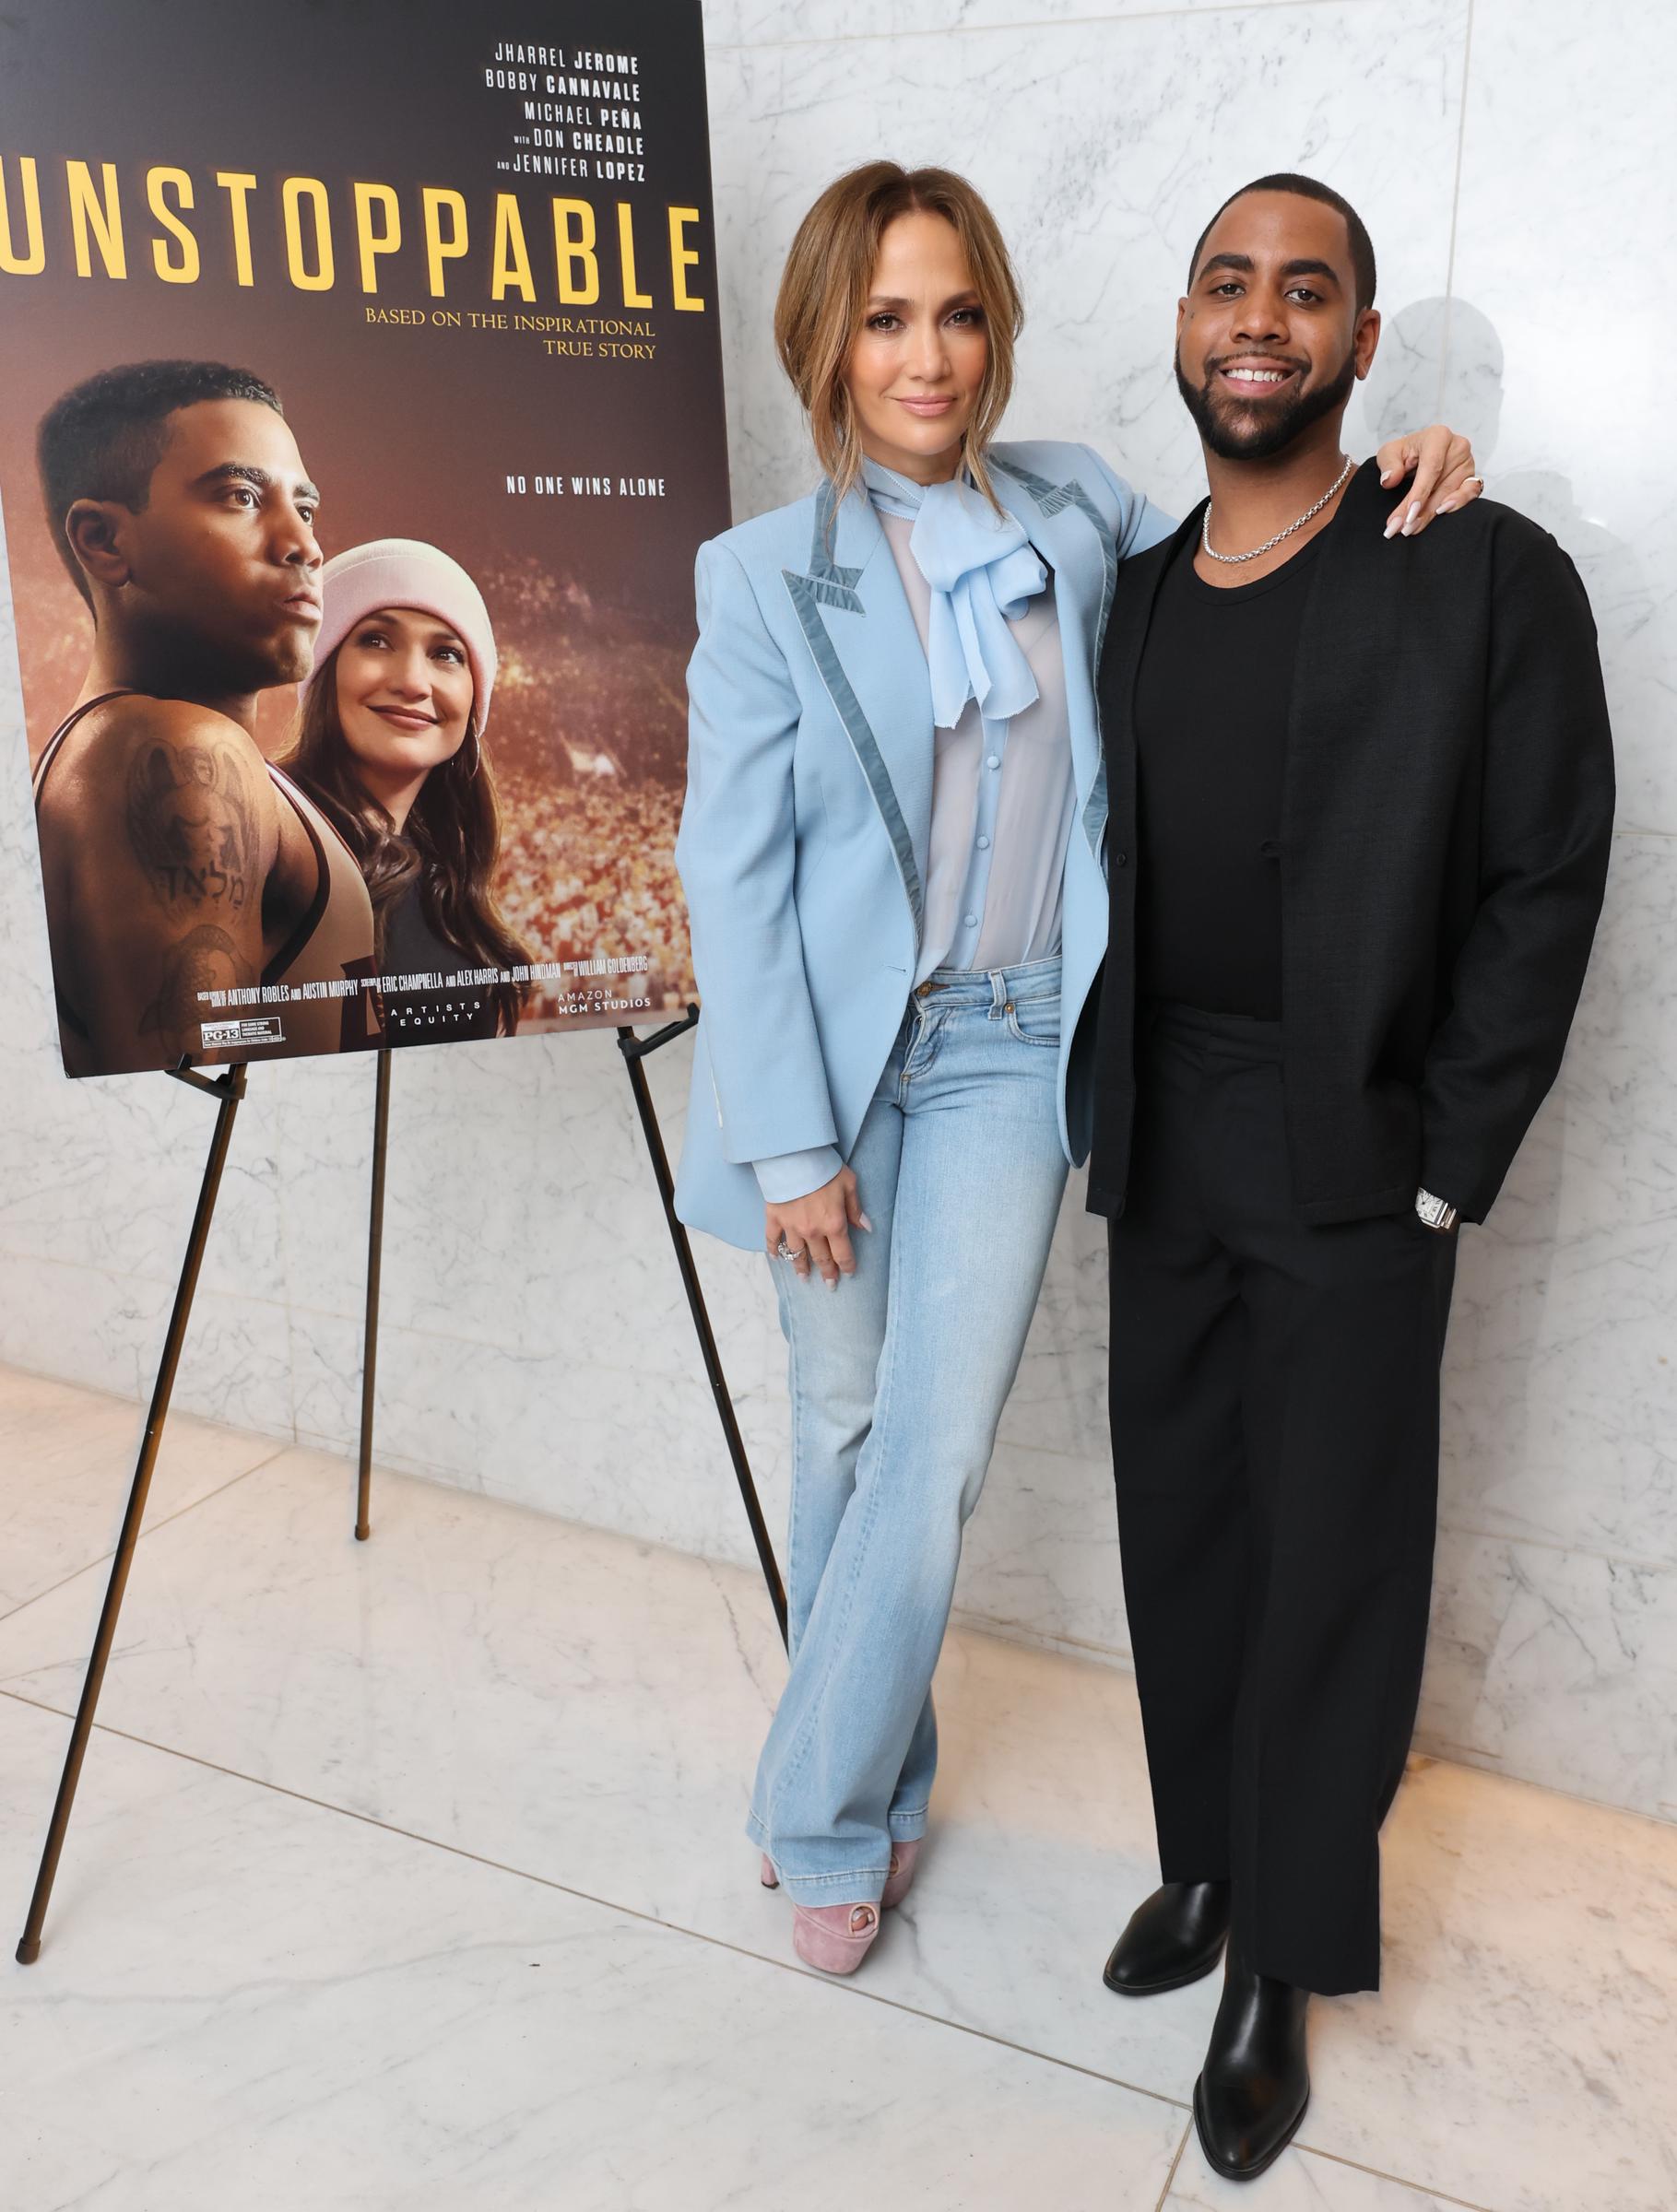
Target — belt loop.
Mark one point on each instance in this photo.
(999, 993)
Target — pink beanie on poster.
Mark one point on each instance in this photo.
(402, 572)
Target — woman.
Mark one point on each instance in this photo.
(390, 745)
(892, 853)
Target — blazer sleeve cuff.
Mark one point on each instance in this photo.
(794, 1175)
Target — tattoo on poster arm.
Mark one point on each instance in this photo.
(206, 958)
(193, 826)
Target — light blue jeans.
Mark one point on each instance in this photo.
(898, 1379)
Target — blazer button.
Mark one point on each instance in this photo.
(1120, 860)
(1270, 849)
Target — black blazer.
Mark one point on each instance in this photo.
(1445, 820)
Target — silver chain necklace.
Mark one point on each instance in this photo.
(1231, 560)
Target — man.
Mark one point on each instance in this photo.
(176, 862)
(1361, 810)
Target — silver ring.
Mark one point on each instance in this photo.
(782, 1251)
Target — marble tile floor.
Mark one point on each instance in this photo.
(409, 1874)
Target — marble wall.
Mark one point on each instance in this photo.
(1508, 157)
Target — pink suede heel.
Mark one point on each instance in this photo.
(902, 1857)
(833, 1938)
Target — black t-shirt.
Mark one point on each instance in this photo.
(1213, 698)
(439, 1012)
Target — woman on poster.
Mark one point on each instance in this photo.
(390, 745)
(891, 850)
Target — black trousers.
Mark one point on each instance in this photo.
(1275, 1448)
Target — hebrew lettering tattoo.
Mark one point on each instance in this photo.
(193, 826)
(205, 959)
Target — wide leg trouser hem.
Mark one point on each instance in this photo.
(843, 1886)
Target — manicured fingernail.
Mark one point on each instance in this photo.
(834, 1284)
(1392, 525)
(1387, 475)
(866, 1224)
(1447, 506)
(1411, 518)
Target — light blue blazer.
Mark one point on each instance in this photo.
(804, 837)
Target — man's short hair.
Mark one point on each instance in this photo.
(1362, 246)
(103, 439)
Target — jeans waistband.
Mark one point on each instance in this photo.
(994, 987)
(1240, 1037)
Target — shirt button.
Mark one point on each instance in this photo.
(971, 921)
(994, 760)
(984, 844)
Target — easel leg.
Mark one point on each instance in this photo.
(375, 1258)
(229, 1090)
(634, 1051)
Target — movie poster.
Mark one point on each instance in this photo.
(360, 411)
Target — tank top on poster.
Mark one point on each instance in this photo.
(331, 943)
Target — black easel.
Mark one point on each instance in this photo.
(634, 1051)
(229, 1088)
(375, 1263)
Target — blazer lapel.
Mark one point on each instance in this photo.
(1357, 592)
(1120, 665)
(860, 631)
(1070, 533)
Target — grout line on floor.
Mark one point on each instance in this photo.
(1104, 1656)
(848, 1989)
(147, 1528)
(545, 1881)
(1379, 2173)
(1170, 2179)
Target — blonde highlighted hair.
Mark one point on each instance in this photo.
(823, 299)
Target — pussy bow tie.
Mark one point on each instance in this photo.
(983, 572)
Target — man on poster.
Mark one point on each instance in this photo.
(1360, 817)
(177, 863)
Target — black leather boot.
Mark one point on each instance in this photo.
(1172, 1939)
(1255, 2084)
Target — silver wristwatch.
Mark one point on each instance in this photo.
(1437, 1213)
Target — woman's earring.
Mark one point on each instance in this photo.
(477, 761)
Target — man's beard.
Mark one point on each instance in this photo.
(1276, 427)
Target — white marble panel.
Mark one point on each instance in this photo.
(66, 1461)
(246, 2001)
(1560, 1665)
(1561, 1396)
(104, 1174)
(1567, 215)
(798, 22)
(1041, 1562)
(1104, 145)
(587, 1711)
(87, 1324)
